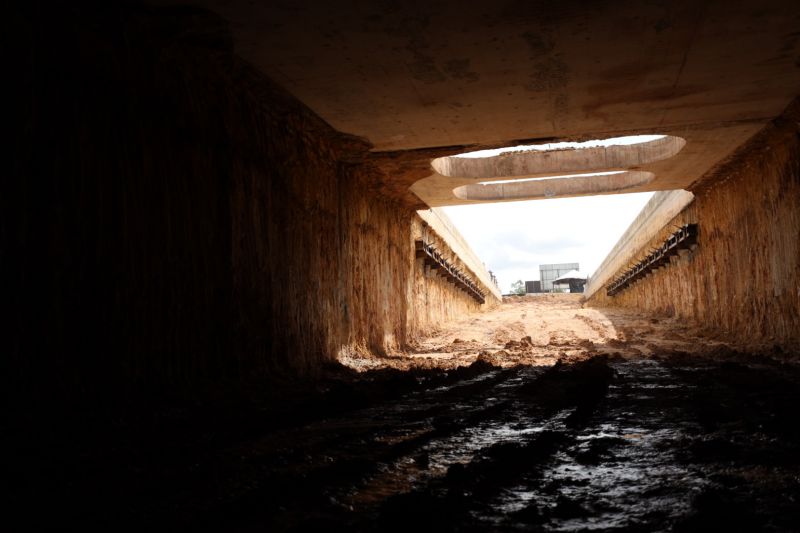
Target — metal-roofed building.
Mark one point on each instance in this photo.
(549, 273)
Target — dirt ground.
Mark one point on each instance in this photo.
(540, 329)
(537, 416)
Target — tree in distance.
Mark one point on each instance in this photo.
(518, 287)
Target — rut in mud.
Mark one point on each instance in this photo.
(677, 443)
(620, 433)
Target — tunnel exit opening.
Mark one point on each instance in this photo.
(553, 171)
(514, 238)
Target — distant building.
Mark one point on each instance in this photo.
(549, 273)
(573, 279)
(533, 286)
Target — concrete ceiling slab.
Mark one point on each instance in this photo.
(705, 147)
(421, 75)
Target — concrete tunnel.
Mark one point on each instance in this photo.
(211, 202)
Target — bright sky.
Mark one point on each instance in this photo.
(514, 238)
(614, 141)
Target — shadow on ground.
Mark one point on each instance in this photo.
(669, 442)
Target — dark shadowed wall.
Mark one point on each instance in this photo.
(174, 221)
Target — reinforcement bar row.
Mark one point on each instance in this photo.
(437, 261)
(684, 238)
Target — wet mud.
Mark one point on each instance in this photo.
(540, 417)
(675, 442)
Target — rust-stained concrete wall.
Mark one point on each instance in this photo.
(438, 222)
(174, 222)
(744, 277)
(434, 299)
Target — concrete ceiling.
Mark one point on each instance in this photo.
(420, 75)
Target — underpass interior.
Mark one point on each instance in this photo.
(233, 301)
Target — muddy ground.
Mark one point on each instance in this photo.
(540, 415)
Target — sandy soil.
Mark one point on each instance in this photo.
(539, 329)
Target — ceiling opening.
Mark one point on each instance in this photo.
(628, 139)
(551, 187)
(519, 180)
(618, 153)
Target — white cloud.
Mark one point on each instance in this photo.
(514, 238)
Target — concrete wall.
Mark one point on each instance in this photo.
(657, 214)
(434, 299)
(438, 221)
(743, 279)
(175, 223)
